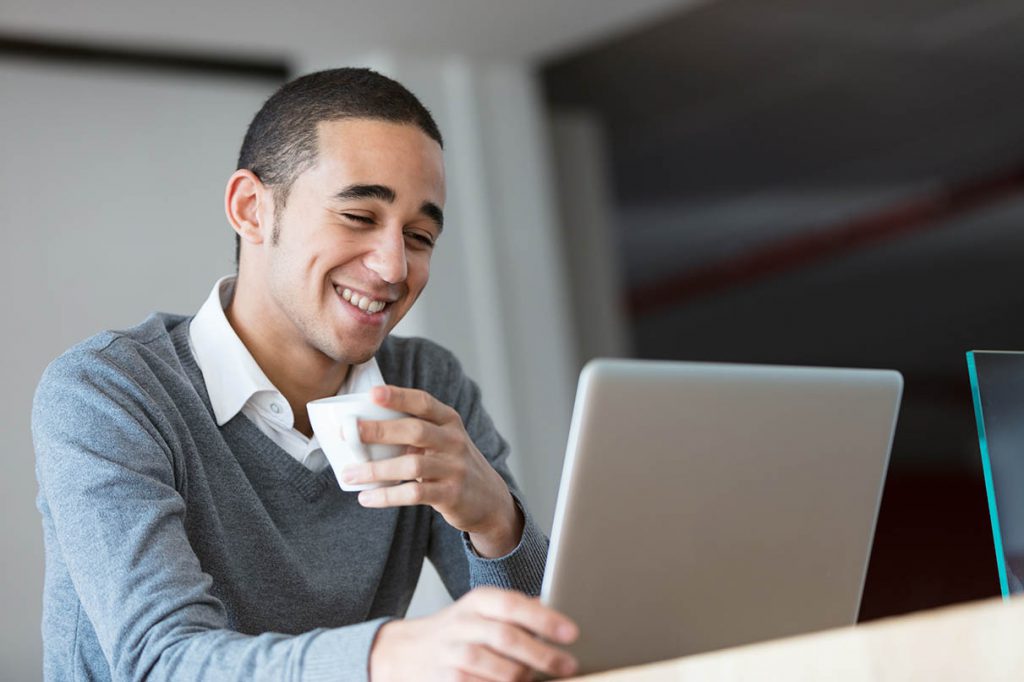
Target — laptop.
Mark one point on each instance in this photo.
(705, 506)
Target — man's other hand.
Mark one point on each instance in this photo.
(442, 468)
(489, 634)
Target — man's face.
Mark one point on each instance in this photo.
(355, 238)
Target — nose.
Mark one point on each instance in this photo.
(387, 257)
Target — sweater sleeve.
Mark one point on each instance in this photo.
(107, 479)
(522, 569)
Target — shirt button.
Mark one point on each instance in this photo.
(275, 408)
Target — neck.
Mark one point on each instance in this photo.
(300, 372)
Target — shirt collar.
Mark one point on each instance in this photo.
(230, 372)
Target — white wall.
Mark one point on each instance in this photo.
(111, 185)
(591, 249)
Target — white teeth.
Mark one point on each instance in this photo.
(362, 302)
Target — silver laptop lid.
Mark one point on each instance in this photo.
(707, 505)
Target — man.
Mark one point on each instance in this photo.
(192, 527)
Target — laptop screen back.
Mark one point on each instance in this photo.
(708, 505)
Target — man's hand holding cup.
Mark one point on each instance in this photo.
(438, 466)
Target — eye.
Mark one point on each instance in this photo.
(425, 241)
(357, 218)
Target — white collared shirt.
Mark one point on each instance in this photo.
(237, 384)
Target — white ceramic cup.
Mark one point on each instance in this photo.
(335, 423)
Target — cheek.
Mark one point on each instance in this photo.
(324, 256)
(419, 271)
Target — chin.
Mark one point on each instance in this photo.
(360, 359)
(341, 354)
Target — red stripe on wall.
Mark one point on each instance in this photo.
(799, 251)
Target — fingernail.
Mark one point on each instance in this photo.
(350, 474)
(566, 632)
(568, 666)
(380, 393)
(367, 497)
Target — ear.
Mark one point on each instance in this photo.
(248, 204)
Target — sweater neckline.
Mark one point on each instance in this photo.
(310, 484)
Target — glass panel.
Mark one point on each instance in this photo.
(997, 384)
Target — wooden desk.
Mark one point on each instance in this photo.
(978, 641)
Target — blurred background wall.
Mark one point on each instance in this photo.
(794, 181)
(830, 182)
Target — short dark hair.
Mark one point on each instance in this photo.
(281, 141)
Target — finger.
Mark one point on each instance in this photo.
(410, 467)
(479, 661)
(527, 612)
(515, 643)
(410, 431)
(415, 402)
(404, 495)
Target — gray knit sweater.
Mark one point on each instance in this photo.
(180, 550)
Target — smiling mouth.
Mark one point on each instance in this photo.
(370, 306)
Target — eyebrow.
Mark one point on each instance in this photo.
(434, 212)
(388, 195)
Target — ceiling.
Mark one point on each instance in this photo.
(326, 29)
(741, 96)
